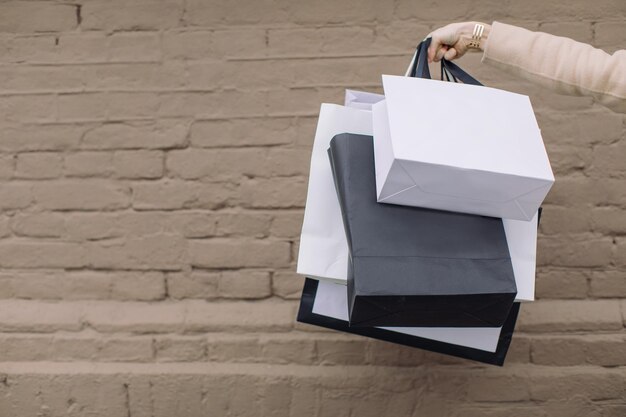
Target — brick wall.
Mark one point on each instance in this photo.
(153, 169)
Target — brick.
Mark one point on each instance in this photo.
(136, 15)
(570, 315)
(579, 31)
(82, 285)
(229, 253)
(608, 284)
(321, 41)
(15, 196)
(222, 11)
(536, 10)
(88, 164)
(609, 34)
(41, 254)
(7, 166)
(160, 135)
(82, 107)
(25, 348)
(274, 193)
(303, 101)
(138, 164)
(135, 105)
(157, 251)
(91, 226)
(577, 190)
(172, 195)
(287, 224)
(219, 104)
(287, 284)
(37, 16)
(109, 316)
(244, 284)
(81, 195)
(197, 284)
(385, 354)
(565, 220)
(243, 132)
(233, 348)
(603, 350)
(5, 229)
(38, 224)
(350, 11)
(37, 316)
(45, 78)
(195, 224)
(51, 286)
(79, 47)
(351, 352)
(582, 128)
(569, 160)
(180, 349)
(28, 108)
(132, 76)
(497, 389)
(592, 252)
(288, 349)
(134, 47)
(233, 316)
(239, 43)
(620, 252)
(188, 44)
(126, 350)
(146, 286)
(250, 223)
(39, 138)
(595, 385)
(230, 164)
(561, 283)
(38, 165)
(607, 160)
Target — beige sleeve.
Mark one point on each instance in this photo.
(562, 64)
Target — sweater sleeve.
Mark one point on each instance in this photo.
(562, 64)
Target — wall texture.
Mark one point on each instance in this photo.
(153, 169)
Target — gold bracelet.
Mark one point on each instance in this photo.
(476, 36)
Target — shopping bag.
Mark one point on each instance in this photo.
(323, 249)
(412, 266)
(324, 304)
(457, 146)
(361, 99)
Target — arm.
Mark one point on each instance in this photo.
(562, 64)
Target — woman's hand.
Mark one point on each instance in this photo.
(452, 41)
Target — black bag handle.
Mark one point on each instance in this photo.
(420, 68)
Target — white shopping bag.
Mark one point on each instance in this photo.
(459, 147)
(361, 99)
(323, 246)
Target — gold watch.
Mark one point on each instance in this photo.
(477, 35)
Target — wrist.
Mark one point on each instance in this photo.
(474, 36)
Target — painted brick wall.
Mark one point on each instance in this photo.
(153, 169)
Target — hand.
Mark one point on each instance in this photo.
(451, 41)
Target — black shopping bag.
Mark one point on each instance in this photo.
(306, 314)
(413, 266)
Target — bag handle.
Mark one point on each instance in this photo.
(419, 66)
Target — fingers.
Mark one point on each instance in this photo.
(435, 44)
(440, 53)
(450, 54)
